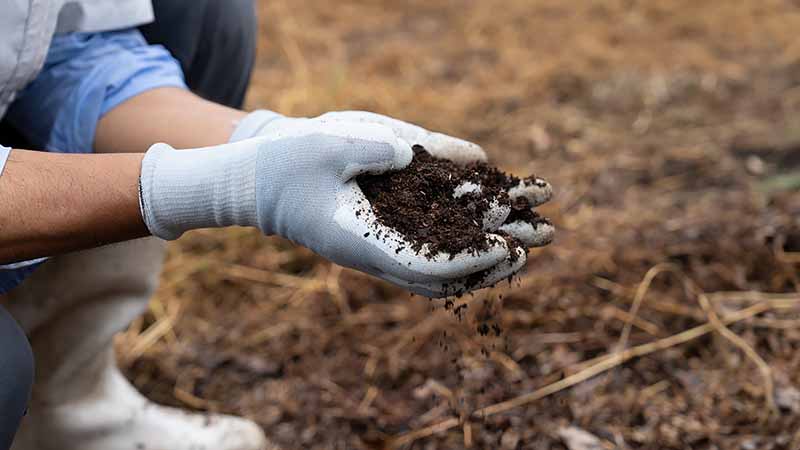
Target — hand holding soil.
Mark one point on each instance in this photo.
(443, 221)
(444, 208)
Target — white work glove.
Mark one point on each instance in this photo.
(537, 191)
(298, 181)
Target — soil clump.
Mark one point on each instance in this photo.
(435, 204)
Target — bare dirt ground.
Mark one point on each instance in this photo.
(671, 131)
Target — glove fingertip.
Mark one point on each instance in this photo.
(495, 216)
(536, 234)
(403, 154)
(536, 190)
(505, 270)
(452, 148)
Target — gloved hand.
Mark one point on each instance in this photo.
(298, 181)
(537, 191)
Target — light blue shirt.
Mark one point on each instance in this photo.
(85, 76)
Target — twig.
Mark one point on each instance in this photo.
(335, 289)
(192, 400)
(749, 297)
(638, 299)
(184, 386)
(273, 278)
(642, 324)
(795, 444)
(778, 324)
(467, 435)
(267, 334)
(434, 413)
(151, 336)
(509, 364)
(713, 319)
(603, 365)
(735, 339)
(369, 397)
(661, 306)
(653, 389)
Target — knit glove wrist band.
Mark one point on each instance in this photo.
(181, 190)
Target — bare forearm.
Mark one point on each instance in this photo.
(56, 203)
(171, 115)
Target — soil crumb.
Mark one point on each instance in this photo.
(432, 205)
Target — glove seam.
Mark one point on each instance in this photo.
(146, 181)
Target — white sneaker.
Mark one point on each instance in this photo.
(115, 416)
(72, 307)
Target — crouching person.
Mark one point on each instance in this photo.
(93, 183)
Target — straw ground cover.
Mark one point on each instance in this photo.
(666, 313)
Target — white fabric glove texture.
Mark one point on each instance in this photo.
(296, 179)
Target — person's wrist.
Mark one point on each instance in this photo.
(182, 190)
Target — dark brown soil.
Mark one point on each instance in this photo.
(647, 116)
(418, 202)
(521, 210)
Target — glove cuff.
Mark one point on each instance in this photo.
(182, 190)
(253, 124)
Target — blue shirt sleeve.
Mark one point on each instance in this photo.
(13, 274)
(85, 76)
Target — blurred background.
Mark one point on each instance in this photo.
(671, 132)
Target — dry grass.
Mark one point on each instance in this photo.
(663, 126)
